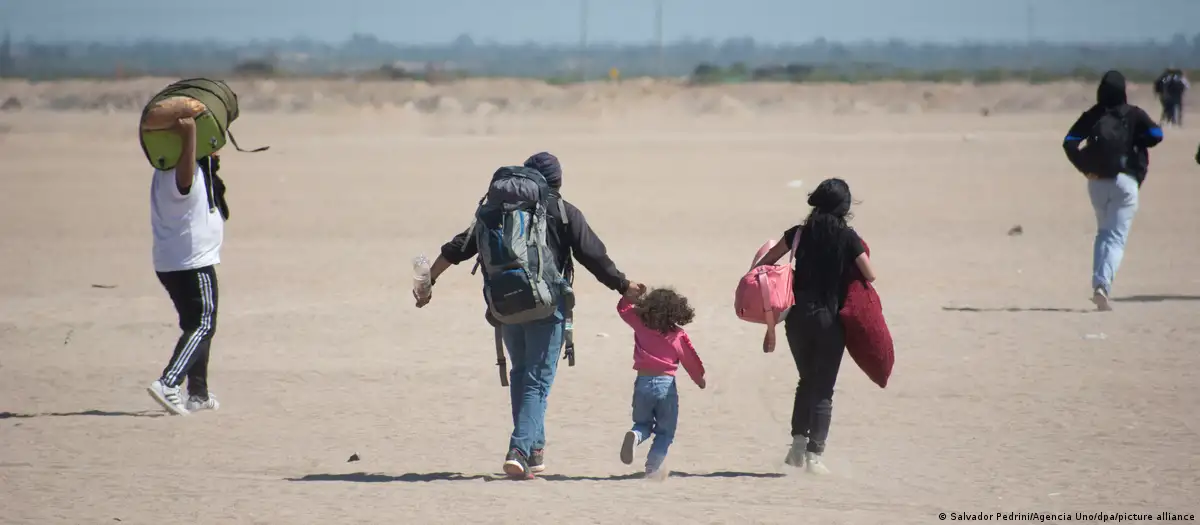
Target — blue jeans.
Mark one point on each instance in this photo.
(1115, 202)
(533, 351)
(655, 411)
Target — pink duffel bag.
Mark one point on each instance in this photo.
(764, 294)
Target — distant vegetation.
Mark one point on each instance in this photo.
(711, 74)
(702, 61)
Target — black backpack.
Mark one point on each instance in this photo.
(1109, 143)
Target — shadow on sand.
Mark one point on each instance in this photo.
(1155, 298)
(363, 477)
(1017, 309)
(106, 413)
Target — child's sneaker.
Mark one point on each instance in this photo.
(516, 466)
(657, 474)
(537, 460)
(169, 398)
(197, 403)
(631, 442)
(1100, 297)
(814, 464)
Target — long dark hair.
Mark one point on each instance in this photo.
(821, 252)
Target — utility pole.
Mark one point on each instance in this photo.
(658, 33)
(1029, 17)
(6, 55)
(1029, 14)
(583, 40)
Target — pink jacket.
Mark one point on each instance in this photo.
(657, 352)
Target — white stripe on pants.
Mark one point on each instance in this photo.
(206, 314)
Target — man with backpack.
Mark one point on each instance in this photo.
(529, 234)
(1114, 161)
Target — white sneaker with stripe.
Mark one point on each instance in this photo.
(170, 398)
(196, 403)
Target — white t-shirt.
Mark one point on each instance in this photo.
(187, 233)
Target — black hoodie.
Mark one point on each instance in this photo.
(1110, 94)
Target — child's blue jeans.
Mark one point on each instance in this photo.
(655, 411)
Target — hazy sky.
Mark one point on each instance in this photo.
(558, 21)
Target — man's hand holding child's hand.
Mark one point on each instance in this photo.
(635, 291)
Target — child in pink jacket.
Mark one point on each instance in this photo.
(659, 345)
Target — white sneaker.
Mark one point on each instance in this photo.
(196, 403)
(813, 464)
(631, 442)
(795, 455)
(169, 398)
(1100, 297)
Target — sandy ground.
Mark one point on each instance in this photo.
(1009, 395)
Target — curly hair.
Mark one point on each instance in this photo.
(664, 310)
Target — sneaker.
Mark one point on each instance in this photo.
(631, 442)
(169, 398)
(814, 465)
(795, 455)
(516, 466)
(1100, 297)
(658, 474)
(197, 403)
(537, 460)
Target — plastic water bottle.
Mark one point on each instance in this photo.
(422, 286)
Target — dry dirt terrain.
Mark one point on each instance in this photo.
(1009, 393)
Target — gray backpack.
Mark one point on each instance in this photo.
(521, 281)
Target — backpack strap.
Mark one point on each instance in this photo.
(569, 271)
(470, 229)
(216, 187)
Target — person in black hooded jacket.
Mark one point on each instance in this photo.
(1114, 195)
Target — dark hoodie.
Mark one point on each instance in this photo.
(1110, 95)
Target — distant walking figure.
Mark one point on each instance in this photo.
(1114, 160)
(1171, 87)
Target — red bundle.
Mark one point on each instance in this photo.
(868, 339)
